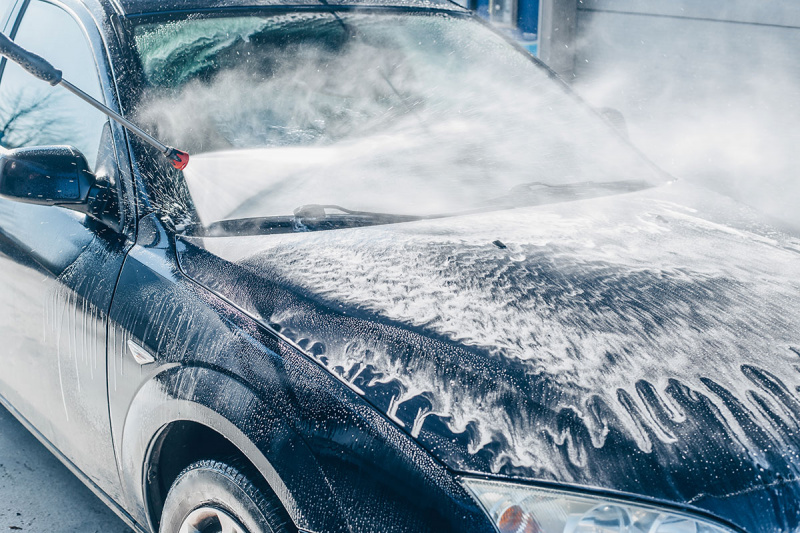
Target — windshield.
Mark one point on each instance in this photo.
(415, 114)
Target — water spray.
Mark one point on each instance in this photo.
(42, 69)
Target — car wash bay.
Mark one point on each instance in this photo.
(710, 90)
(682, 72)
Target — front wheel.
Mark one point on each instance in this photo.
(217, 497)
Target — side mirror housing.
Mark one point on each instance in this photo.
(616, 119)
(46, 175)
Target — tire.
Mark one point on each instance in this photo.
(222, 497)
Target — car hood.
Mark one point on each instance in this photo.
(646, 343)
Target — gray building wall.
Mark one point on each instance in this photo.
(557, 34)
(710, 88)
(705, 44)
(776, 12)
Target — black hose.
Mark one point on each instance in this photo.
(34, 64)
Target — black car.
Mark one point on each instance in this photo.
(407, 282)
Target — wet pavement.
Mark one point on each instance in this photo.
(39, 495)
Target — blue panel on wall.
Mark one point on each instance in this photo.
(528, 17)
(482, 7)
(526, 29)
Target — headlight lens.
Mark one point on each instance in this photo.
(520, 509)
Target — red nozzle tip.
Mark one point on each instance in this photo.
(179, 159)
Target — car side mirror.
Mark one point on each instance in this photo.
(616, 119)
(46, 175)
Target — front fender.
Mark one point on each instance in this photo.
(225, 405)
(334, 461)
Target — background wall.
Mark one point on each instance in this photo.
(710, 89)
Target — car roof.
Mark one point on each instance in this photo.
(148, 7)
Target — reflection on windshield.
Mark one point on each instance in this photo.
(412, 114)
(32, 113)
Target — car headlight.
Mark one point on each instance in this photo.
(520, 509)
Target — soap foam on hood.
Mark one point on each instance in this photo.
(598, 296)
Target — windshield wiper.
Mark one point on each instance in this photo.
(310, 217)
(540, 193)
(316, 212)
(320, 217)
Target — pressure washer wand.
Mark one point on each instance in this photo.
(43, 70)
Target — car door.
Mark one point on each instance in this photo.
(58, 267)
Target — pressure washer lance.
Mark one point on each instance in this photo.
(43, 70)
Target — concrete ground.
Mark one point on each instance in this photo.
(39, 495)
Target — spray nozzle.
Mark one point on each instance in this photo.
(178, 158)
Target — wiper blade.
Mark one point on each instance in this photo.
(539, 193)
(316, 217)
(316, 212)
(320, 217)
(310, 217)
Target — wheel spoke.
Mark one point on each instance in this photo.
(229, 525)
(201, 518)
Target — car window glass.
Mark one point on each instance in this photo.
(396, 113)
(5, 9)
(33, 113)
